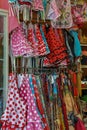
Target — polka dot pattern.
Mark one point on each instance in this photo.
(44, 39)
(41, 44)
(19, 43)
(15, 113)
(39, 104)
(31, 39)
(36, 39)
(56, 45)
(33, 119)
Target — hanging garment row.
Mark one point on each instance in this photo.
(40, 102)
(55, 45)
(35, 65)
(61, 13)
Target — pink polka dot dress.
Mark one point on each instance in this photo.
(33, 118)
(14, 117)
(19, 43)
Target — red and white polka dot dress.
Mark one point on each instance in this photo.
(39, 104)
(56, 45)
(41, 44)
(31, 39)
(33, 118)
(14, 117)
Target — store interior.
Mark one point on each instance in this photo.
(43, 65)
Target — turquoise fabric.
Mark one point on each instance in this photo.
(55, 90)
(77, 47)
(45, 4)
(12, 1)
(31, 84)
(27, 1)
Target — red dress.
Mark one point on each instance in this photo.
(56, 45)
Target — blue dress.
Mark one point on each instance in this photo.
(77, 47)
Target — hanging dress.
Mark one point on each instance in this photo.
(53, 12)
(65, 18)
(39, 39)
(13, 21)
(31, 39)
(14, 117)
(57, 48)
(19, 43)
(44, 39)
(39, 104)
(33, 118)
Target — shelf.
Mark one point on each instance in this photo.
(83, 44)
(84, 88)
(84, 66)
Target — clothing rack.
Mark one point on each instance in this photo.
(25, 66)
(35, 19)
(39, 71)
(34, 70)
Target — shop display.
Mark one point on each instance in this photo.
(45, 81)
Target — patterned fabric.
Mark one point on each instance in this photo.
(46, 62)
(39, 39)
(63, 105)
(44, 39)
(69, 106)
(13, 21)
(79, 13)
(37, 42)
(31, 39)
(77, 16)
(14, 116)
(42, 98)
(53, 12)
(41, 101)
(33, 119)
(65, 19)
(39, 104)
(56, 46)
(19, 43)
(38, 5)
